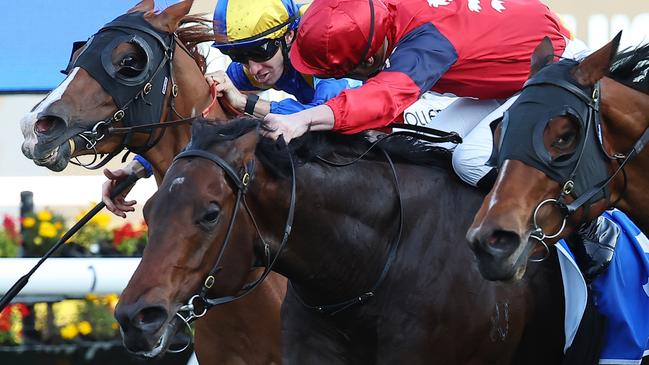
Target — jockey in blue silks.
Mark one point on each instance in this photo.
(257, 35)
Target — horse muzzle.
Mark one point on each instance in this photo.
(55, 159)
(49, 142)
(501, 254)
(145, 330)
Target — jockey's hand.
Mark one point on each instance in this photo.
(319, 118)
(225, 87)
(289, 126)
(119, 205)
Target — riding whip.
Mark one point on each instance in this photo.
(119, 188)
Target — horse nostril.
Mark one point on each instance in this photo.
(47, 124)
(500, 243)
(149, 319)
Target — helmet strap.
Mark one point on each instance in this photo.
(371, 36)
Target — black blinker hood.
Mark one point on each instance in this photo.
(551, 93)
(157, 46)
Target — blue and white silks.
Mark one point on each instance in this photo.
(621, 294)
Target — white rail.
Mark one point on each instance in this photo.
(71, 277)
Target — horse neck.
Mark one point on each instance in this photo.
(194, 96)
(342, 222)
(626, 117)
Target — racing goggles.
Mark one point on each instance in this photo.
(261, 51)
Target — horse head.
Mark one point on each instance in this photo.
(132, 71)
(194, 246)
(560, 150)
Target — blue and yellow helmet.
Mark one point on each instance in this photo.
(241, 22)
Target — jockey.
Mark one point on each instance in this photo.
(470, 48)
(256, 35)
(474, 49)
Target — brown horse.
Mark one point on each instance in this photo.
(572, 146)
(374, 256)
(244, 332)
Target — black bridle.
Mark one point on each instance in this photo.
(241, 180)
(141, 97)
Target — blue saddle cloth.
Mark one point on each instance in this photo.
(621, 294)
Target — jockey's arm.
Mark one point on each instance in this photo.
(319, 118)
(235, 79)
(419, 60)
(324, 89)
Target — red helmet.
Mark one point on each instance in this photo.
(335, 36)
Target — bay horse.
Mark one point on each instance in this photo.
(377, 271)
(63, 126)
(572, 146)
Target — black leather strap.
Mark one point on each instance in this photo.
(251, 101)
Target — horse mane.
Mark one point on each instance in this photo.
(194, 30)
(631, 68)
(313, 145)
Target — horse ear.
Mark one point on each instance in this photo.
(143, 6)
(170, 18)
(244, 149)
(597, 65)
(543, 55)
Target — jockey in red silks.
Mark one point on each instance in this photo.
(475, 49)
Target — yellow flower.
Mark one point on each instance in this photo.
(92, 297)
(47, 230)
(66, 311)
(80, 215)
(29, 222)
(38, 241)
(102, 220)
(111, 300)
(44, 216)
(114, 325)
(58, 225)
(69, 332)
(84, 327)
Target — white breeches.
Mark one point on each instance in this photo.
(471, 119)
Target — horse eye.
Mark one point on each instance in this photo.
(564, 140)
(211, 215)
(127, 61)
(129, 66)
